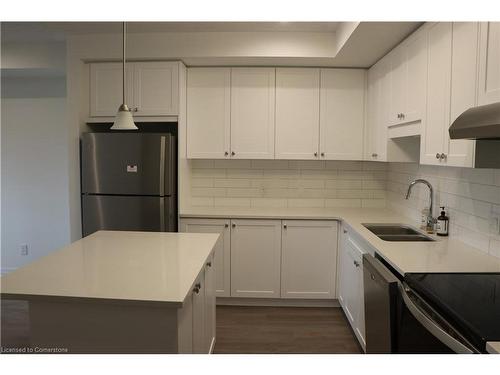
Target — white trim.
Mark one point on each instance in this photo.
(109, 119)
(234, 301)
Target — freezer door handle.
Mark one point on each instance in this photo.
(430, 324)
(162, 165)
(162, 215)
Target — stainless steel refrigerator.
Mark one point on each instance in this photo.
(129, 182)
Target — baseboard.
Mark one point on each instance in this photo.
(234, 301)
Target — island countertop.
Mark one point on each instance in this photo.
(117, 267)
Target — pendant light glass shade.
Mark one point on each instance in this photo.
(124, 119)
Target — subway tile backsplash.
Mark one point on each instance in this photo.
(471, 197)
(282, 183)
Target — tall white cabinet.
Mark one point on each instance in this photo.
(452, 88)
(408, 79)
(489, 63)
(255, 258)
(308, 259)
(297, 113)
(252, 113)
(342, 120)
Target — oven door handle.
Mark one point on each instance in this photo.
(431, 326)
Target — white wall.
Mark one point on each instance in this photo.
(35, 200)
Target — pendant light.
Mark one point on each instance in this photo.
(123, 119)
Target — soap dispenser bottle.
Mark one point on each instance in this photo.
(443, 223)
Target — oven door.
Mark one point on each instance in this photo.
(422, 330)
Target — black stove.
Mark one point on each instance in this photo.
(470, 302)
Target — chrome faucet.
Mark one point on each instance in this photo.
(430, 220)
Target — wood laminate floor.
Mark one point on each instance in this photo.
(240, 329)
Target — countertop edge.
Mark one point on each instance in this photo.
(493, 347)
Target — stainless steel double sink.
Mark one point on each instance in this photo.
(397, 232)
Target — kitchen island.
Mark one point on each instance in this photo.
(121, 292)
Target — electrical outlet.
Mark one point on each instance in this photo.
(24, 249)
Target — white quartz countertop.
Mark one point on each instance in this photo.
(117, 266)
(443, 255)
(493, 347)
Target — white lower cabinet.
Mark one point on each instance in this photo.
(222, 249)
(350, 282)
(196, 319)
(308, 259)
(255, 258)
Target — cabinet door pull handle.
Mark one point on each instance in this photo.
(316, 154)
(226, 153)
(284, 226)
(234, 225)
(374, 155)
(323, 154)
(443, 156)
(345, 230)
(209, 264)
(356, 263)
(437, 156)
(226, 225)
(233, 153)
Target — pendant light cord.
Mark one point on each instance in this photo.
(123, 62)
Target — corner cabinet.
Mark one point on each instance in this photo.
(308, 259)
(342, 119)
(408, 79)
(297, 113)
(377, 111)
(152, 88)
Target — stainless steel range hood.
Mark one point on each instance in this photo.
(482, 124)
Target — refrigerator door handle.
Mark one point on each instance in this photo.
(162, 166)
(162, 215)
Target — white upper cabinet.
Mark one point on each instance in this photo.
(152, 88)
(452, 82)
(106, 88)
(156, 88)
(489, 63)
(438, 93)
(408, 80)
(297, 113)
(464, 70)
(208, 113)
(308, 259)
(342, 102)
(377, 111)
(255, 258)
(252, 113)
